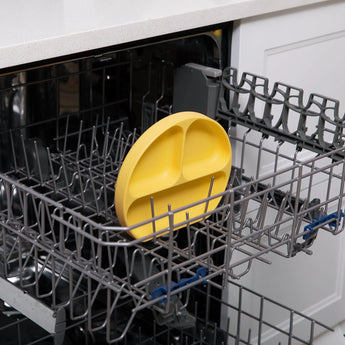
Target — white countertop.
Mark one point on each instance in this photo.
(39, 29)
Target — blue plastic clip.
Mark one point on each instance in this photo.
(163, 290)
(309, 229)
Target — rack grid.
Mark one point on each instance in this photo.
(62, 244)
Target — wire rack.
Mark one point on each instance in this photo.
(62, 244)
(239, 326)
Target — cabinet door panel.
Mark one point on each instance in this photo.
(304, 48)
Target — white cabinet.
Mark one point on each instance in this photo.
(304, 48)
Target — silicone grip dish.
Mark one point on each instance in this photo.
(172, 162)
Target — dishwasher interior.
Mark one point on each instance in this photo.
(70, 273)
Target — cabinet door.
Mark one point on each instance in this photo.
(305, 48)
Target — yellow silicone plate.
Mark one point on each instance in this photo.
(172, 162)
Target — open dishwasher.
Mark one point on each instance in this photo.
(71, 274)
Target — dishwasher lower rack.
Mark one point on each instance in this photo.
(62, 245)
(238, 325)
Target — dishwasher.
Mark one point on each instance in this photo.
(71, 273)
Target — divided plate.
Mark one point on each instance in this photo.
(172, 163)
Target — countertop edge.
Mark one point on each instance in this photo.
(75, 42)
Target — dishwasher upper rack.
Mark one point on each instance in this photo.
(57, 215)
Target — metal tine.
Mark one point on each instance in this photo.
(114, 256)
(104, 155)
(28, 255)
(280, 213)
(229, 233)
(262, 302)
(228, 326)
(89, 229)
(82, 192)
(130, 140)
(239, 314)
(244, 205)
(299, 219)
(45, 218)
(209, 194)
(207, 309)
(187, 298)
(128, 266)
(134, 134)
(104, 188)
(91, 297)
(233, 179)
(66, 135)
(94, 192)
(51, 170)
(329, 185)
(79, 139)
(149, 82)
(138, 252)
(20, 260)
(105, 145)
(13, 151)
(243, 151)
(92, 151)
(291, 327)
(124, 146)
(60, 274)
(293, 171)
(224, 214)
(153, 220)
(201, 336)
(121, 150)
(8, 200)
(280, 143)
(5, 255)
(63, 164)
(110, 167)
(25, 156)
(73, 293)
(38, 276)
(40, 272)
(295, 219)
(11, 252)
(107, 250)
(114, 138)
(53, 280)
(19, 333)
(259, 156)
(189, 241)
(312, 329)
(312, 169)
(196, 317)
(38, 163)
(106, 130)
(25, 211)
(337, 230)
(208, 245)
(249, 336)
(263, 209)
(169, 257)
(154, 332)
(39, 214)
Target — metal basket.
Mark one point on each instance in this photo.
(62, 245)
